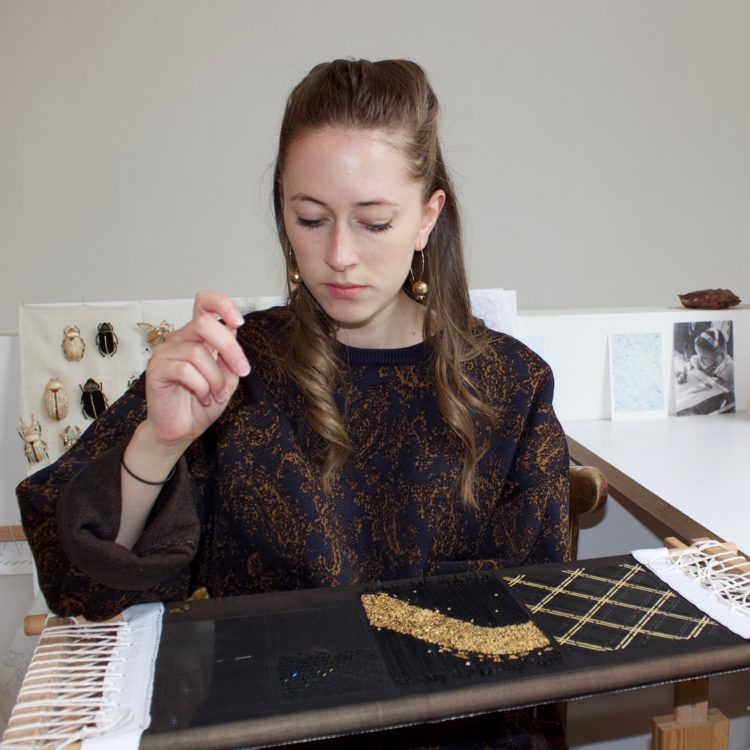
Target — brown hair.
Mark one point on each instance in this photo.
(395, 96)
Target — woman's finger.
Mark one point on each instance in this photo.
(231, 381)
(181, 373)
(197, 354)
(218, 305)
(221, 339)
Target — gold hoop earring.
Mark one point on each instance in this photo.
(294, 276)
(419, 287)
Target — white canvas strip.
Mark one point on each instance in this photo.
(717, 587)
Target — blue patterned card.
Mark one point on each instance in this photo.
(637, 375)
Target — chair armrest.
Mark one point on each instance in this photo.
(588, 493)
(588, 490)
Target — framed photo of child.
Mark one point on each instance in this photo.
(703, 367)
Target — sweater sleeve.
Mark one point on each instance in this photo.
(538, 483)
(71, 514)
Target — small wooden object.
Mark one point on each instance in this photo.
(35, 624)
(692, 725)
(12, 534)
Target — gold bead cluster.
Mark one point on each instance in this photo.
(458, 637)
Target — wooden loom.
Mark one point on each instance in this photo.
(691, 725)
(63, 688)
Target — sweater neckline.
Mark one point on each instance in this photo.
(404, 356)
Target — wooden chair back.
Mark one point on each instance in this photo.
(588, 493)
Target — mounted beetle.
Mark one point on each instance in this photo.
(33, 446)
(73, 346)
(106, 340)
(93, 400)
(55, 398)
(156, 335)
(70, 436)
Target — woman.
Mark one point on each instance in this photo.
(371, 429)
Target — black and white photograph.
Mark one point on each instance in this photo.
(703, 364)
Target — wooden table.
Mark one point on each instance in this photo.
(691, 474)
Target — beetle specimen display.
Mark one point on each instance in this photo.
(70, 436)
(33, 446)
(73, 346)
(106, 340)
(93, 400)
(56, 398)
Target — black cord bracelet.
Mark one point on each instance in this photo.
(146, 481)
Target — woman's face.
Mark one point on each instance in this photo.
(354, 218)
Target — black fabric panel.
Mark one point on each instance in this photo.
(483, 600)
(278, 659)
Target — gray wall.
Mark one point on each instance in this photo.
(601, 148)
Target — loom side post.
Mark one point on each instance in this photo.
(692, 725)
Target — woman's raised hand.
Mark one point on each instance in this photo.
(193, 374)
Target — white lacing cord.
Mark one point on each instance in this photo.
(70, 689)
(724, 575)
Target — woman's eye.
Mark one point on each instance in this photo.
(309, 223)
(378, 227)
(316, 223)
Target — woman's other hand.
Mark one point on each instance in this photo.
(194, 373)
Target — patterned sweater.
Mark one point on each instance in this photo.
(246, 512)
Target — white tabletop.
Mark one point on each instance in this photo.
(699, 465)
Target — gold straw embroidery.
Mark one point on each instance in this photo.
(458, 637)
